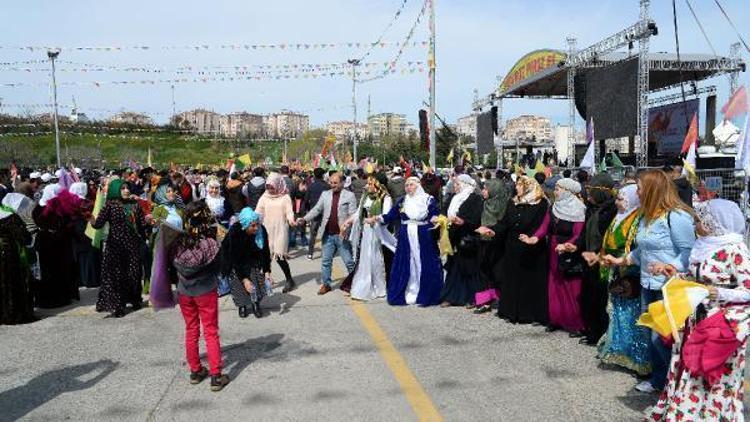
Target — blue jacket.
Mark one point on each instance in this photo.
(657, 242)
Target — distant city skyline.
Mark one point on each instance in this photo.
(477, 41)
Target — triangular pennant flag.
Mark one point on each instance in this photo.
(737, 104)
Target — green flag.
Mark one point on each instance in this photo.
(616, 163)
(603, 166)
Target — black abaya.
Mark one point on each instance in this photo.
(522, 270)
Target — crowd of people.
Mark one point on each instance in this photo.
(585, 255)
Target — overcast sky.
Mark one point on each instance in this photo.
(476, 42)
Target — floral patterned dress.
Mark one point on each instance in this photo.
(689, 397)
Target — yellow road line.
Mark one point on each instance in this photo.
(415, 394)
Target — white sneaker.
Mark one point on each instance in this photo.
(645, 387)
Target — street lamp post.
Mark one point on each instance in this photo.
(354, 63)
(52, 56)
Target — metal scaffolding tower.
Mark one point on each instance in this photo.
(572, 50)
(643, 79)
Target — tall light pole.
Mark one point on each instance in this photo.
(52, 56)
(354, 63)
(431, 64)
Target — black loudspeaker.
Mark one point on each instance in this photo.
(493, 113)
(424, 129)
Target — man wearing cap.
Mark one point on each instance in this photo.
(28, 186)
(396, 186)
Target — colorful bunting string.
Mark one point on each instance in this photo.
(205, 47)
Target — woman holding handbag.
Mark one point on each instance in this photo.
(625, 344)
(564, 224)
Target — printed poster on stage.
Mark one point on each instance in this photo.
(668, 124)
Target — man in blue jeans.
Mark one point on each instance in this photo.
(336, 205)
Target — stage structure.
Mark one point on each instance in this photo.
(554, 74)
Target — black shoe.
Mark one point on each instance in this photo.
(290, 285)
(137, 305)
(257, 311)
(118, 313)
(310, 256)
(198, 377)
(482, 309)
(550, 329)
(243, 312)
(587, 342)
(576, 334)
(218, 382)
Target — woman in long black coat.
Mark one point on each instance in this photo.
(522, 270)
(463, 279)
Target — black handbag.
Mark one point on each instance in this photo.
(626, 286)
(570, 264)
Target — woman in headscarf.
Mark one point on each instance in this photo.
(246, 261)
(168, 203)
(625, 343)
(277, 214)
(416, 276)
(195, 257)
(55, 218)
(522, 270)
(121, 263)
(495, 203)
(86, 255)
(16, 256)
(368, 280)
(563, 225)
(600, 211)
(707, 371)
(665, 237)
(462, 280)
(220, 207)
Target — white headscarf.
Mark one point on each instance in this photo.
(49, 192)
(725, 224)
(568, 206)
(416, 205)
(79, 189)
(466, 185)
(215, 203)
(629, 197)
(20, 204)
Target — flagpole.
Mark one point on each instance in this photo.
(52, 56)
(431, 63)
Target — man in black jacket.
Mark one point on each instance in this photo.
(684, 189)
(316, 188)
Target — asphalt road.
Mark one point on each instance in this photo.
(310, 358)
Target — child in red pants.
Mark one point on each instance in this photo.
(195, 257)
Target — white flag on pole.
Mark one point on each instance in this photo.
(588, 159)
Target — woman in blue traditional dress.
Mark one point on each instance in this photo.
(416, 275)
(625, 344)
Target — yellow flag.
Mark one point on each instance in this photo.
(444, 243)
(539, 167)
(245, 159)
(449, 157)
(667, 317)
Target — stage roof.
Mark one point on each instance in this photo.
(664, 73)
